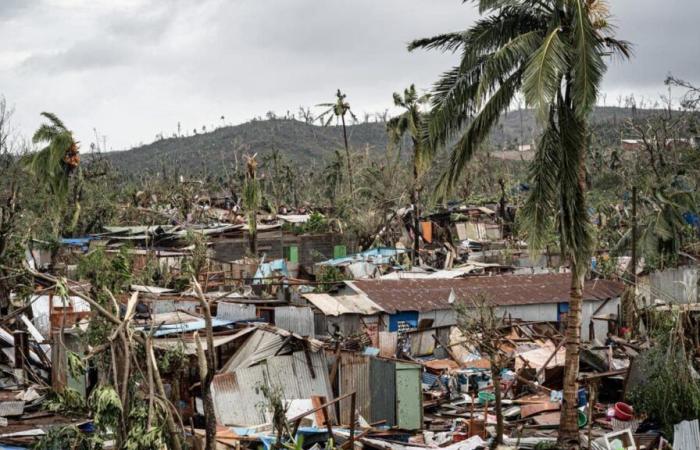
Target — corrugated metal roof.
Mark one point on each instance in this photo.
(239, 401)
(298, 320)
(353, 376)
(235, 311)
(179, 322)
(292, 375)
(12, 408)
(190, 345)
(433, 294)
(263, 344)
(343, 304)
(237, 398)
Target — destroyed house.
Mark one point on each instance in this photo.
(428, 303)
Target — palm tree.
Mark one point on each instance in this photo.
(53, 164)
(251, 201)
(553, 51)
(663, 228)
(339, 110)
(412, 122)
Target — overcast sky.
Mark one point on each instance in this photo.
(134, 68)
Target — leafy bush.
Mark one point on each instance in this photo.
(668, 390)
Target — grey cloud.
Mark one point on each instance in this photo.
(144, 65)
(87, 55)
(11, 8)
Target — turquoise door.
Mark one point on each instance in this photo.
(409, 396)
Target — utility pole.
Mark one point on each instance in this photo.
(633, 263)
(629, 310)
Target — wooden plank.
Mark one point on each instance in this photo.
(537, 408)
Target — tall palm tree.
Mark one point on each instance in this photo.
(252, 199)
(53, 164)
(412, 122)
(339, 110)
(553, 51)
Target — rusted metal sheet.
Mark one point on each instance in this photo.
(388, 340)
(260, 346)
(237, 402)
(235, 311)
(354, 376)
(423, 342)
(383, 391)
(299, 320)
(433, 294)
(548, 419)
(537, 408)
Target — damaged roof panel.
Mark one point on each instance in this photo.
(343, 304)
(433, 294)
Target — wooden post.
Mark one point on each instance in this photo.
(591, 402)
(352, 420)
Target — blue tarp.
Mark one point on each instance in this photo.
(379, 255)
(186, 327)
(82, 242)
(692, 219)
(277, 267)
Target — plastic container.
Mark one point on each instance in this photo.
(582, 419)
(623, 411)
(486, 397)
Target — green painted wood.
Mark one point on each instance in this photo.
(409, 404)
(292, 253)
(340, 251)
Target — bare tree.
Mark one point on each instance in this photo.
(481, 327)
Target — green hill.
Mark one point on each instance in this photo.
(303, 143)
(213, 151)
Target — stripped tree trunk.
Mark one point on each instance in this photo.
(416, 218)
(496, 379)
(569, 413)
(207, 369)
(347, 155)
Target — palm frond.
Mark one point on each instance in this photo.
(55, 121)
(542, 203)
(588, 66)
(543, 73)
(478, 130)
(576, 232)
(509, 57)
(448, 42)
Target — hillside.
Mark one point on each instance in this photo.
(299, 142)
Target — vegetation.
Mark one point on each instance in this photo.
(412, 122)
(667, 388)
(574, 196)
(554, 53)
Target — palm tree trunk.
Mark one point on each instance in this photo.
(569, 414)
(347, 155)
(568, 432)
(496, 379)
(416, 216)
(253, 234)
